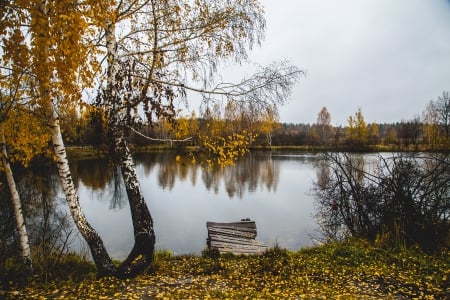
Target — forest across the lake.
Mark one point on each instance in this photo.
(428, 131)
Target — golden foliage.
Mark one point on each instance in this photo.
(224, 151)
(186, 127)
(45, 61)
(25, 136)
(357, 128)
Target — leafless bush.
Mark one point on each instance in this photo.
(399, 199)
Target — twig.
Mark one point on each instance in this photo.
(160, 140)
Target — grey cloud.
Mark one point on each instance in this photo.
(388, 58)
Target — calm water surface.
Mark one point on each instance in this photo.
(270, 188)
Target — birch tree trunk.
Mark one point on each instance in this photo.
(99, 254)
(15, 198)
(46, 73)
(141, 256)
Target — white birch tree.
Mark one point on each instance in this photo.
(47, 37)
(11, 74)
(156, 51)
(17, 205)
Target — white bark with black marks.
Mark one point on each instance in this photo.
(15, 198)
(101, 258)
(141, 256)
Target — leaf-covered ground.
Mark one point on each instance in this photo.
(350, 270)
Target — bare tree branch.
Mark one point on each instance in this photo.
(158, 140)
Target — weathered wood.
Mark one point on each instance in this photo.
(235, 237)
(238, 230)
(232, 240)
(240, 224)
(247, 250)
(235, 233)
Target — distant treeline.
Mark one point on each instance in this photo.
(427, 132)
(405, 135)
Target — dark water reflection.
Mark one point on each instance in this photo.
(270, 188)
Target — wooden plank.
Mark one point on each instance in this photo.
(234, 240)
(240, 249)
(228, 232)
(238, 223)
(234, 245)
(242, 224)
(224, 248)
(234, 237)
(243, 229)
(235, 250)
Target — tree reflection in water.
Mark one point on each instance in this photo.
(50, 227)
(183, 196)
(246, 175)
(99, 175)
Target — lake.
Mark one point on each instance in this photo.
(270, 188)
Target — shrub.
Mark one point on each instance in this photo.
(401, 200)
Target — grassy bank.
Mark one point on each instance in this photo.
(337, 270)
(88, 152)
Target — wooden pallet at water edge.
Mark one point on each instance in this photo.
(234, 237)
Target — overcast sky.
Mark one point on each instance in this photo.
(387, 57)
